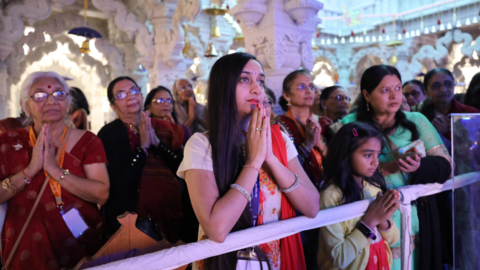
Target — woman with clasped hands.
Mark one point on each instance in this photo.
(74, 162)
(143, 155)
(241, 155)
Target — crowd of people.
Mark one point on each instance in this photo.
(193, 172)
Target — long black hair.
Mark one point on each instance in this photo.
(371, 78)
(79, 99)
(338, 162)
(428, 108)
(223, 132)
(151, 95)
(472, 97)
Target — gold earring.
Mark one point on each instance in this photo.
(289, 104)
(368, 106)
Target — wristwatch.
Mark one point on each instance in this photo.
(369, 233)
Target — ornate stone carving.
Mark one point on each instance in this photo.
(11, 20)
(364, 52)
(327, 54)
(436, 53)
(467, 48)
(127, 22)
(113, 54)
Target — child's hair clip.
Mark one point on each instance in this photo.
(354, 131)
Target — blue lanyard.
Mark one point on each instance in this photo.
(255, 202)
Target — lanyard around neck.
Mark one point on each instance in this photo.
(54, 185)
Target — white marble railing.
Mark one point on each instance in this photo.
(178, 256)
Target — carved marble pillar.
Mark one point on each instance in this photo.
(344, 55)
(279, 33)
(167, 19)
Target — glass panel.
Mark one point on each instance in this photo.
(466, 200)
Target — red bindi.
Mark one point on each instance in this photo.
(49, 86)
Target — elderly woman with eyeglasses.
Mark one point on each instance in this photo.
(143, 155)
(188, 111)
(305, 132)
(53, 175)
(440, 86)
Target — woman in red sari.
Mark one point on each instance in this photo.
(77, 179)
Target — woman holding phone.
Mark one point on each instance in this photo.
(379, 105)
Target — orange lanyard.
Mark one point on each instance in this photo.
(54, 185)
(314, 151)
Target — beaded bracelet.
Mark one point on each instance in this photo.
(251, 167)
(25, 176)
(294, 186)
(241, 190)
(11, 188)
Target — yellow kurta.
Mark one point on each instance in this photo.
(342, 245)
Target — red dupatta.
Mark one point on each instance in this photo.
(291, 248)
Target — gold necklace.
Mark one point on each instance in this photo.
(133, 128)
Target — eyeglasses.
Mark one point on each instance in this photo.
(267, 103)
(414, 94)
(341, 98)
(162, 101)
(437, 85)
(185, 87)
(42, 96)
(303, 87)
(121, 94)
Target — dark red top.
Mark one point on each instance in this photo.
(48, 242)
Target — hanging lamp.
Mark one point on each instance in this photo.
(215, 32)
(86, 32)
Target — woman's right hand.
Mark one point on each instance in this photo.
(143, 131)
(191, 108)
(36, 163)
(256, 140)
(382, 208)
(312, 133)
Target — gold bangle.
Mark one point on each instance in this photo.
(11, 188)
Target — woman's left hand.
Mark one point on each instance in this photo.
(153, 137)
(270, 157)
(409, 163)
(49, 162)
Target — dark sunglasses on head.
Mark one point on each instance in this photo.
(162, 101)
(42, 96)
(121, 94)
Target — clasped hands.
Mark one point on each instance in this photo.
(258, 139)
(146, 132)
(43, 154)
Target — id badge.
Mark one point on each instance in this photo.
(247, 260)
(75, 222)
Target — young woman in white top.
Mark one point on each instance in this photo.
(241, 149)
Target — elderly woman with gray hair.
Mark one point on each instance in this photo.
(54, 177)
(189, 112)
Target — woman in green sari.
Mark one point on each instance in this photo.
(379, 105)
